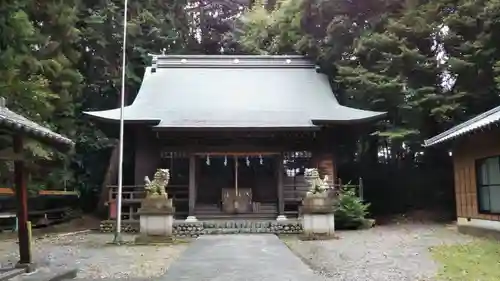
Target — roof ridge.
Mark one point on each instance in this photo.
(462, 125)
(230, 61)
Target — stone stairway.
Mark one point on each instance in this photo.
(213, 212)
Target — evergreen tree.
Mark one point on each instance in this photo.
(22, 74)
(471, 46)
(271, 31)
(59, 55)
(21, 79)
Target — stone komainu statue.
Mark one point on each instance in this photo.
(157, 186)
(317, 185)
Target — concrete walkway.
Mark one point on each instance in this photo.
(259, 257)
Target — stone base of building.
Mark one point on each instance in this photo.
(479, 228)
(183, 229)
(192, 230)
(318, 226)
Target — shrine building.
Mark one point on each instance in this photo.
(236, 132)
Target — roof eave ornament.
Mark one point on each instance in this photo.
(154, 63)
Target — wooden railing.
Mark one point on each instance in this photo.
(133, 194)
(7, 191)
(293, 194)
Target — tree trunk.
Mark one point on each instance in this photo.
(111, 171)
(111, 174)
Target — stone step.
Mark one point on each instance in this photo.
(220, 209)
(265, 212)
(261, 205)
(268, 209)
(210, 206)
(203, 206)
(220, 212)
(207, 208)
(225, 216)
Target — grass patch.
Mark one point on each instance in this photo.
(475, 261)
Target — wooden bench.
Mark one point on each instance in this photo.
(9, 216)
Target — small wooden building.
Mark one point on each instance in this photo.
(476, 161)
(236, 132)
(21, 128)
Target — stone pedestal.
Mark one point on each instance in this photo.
(156, 220)
(318, 219)
(319, 224)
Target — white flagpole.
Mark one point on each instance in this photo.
(118, 238)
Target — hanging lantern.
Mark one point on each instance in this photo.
(248, 162)
(208, 160)
(225, 160)
(261, 161)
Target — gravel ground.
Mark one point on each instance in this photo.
(95, 258)
(383, 253)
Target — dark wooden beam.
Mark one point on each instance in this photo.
(281, 199)
(231, 134)
(234, 153)
(192, 184)
(22, 203)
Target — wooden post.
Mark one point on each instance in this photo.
(236, 175)
(192, 187)
(361, 191)
(22, 203)
(236, 192)
(281, 199)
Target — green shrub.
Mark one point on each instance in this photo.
(350, 210)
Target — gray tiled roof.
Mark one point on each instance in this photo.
(235, 92)
(16, 123)
(482, 120)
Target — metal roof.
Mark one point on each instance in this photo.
(482, 120)
(235, 92)
(16, 123)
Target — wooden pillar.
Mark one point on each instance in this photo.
(281, 198)
(192, 187)
(325, 163)
(22, 203)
